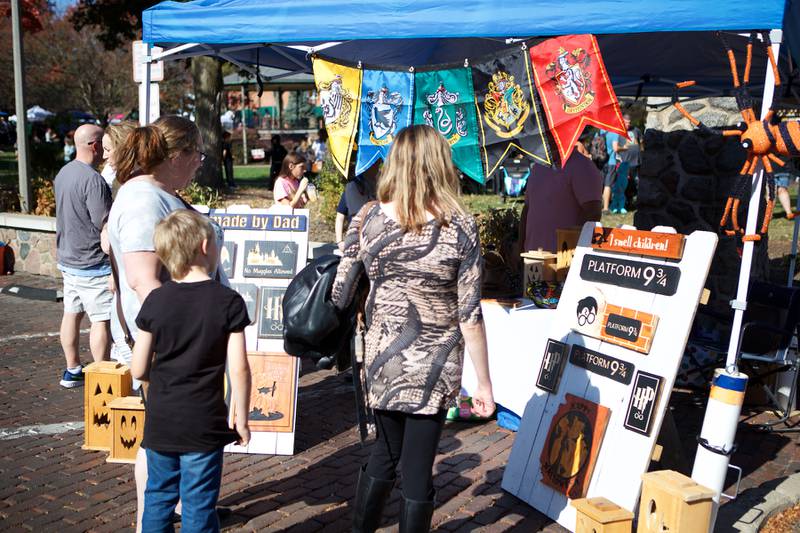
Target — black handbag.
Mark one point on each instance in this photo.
(312, 325)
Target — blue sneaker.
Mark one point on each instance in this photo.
(70, 380)
(623, 211)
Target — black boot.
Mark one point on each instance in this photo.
(371, 495)
(415, 517)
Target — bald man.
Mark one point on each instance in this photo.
(83, 200)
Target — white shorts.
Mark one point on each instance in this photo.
(87, 294)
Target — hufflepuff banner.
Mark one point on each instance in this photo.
(509, 111)
(339, 89)
(387, 100)
(444, 100)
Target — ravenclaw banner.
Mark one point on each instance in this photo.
(444, 100)
(509, 112)
(575, 90)
(339, 89)
(387, 100)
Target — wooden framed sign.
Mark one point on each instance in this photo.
(227, 258)
(270, 259)
(272, 393)
(555, 357)
(631, 241)
(572, 444)
(249, 293)
(639, 275)
(644, 398)
(270, 320)
(604, 365)
(628, 327)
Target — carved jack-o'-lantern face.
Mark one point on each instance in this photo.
(127, 431)
(102, 396)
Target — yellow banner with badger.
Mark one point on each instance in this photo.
(339, 88)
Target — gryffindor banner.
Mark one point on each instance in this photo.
(509, 112)
(575, 89)
(339, 89)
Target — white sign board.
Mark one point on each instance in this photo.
(615, 379)
(264, 249)
(140, 66)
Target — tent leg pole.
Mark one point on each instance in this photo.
(728, 388)
(244, 126)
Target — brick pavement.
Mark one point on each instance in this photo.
(48, 483)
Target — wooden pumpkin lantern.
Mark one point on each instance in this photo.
(539, 266)
(600, 515)
(567, 241)
(105, 381)
(127, 416)
(673, 502)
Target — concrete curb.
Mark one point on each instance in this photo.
(751, 509)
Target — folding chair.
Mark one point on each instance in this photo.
(768, 344)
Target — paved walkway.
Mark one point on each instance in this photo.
(48, 483)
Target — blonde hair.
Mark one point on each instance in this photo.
(419, 177)
(120, 131)
(147, 147)
(178, 237)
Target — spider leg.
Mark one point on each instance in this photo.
(742, 188)
(775, 159)
(742, 93)
(732, 205)
(676, 103)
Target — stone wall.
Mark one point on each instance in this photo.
(685, 178)
(715, 112)
(32, 241)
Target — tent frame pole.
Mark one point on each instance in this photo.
(718, 433)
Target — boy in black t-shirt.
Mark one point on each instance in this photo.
(188, 328)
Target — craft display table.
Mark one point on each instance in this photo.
(516, 339)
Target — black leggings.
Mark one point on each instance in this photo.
(412, 441)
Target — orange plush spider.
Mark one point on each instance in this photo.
(762, 139)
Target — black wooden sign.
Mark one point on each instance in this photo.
(270, 320)
(644, 397)
(623, 327)
(639, 275)
(555, 358)
(598, 363)
(249, 293)
(270, 259)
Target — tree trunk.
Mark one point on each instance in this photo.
(207, 77)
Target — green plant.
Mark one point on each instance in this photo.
(330, 185)
(197, 194)
(498, 227)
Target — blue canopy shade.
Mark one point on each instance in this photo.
(648, 45)
(293, 21)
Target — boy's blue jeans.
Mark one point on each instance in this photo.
(192, 477)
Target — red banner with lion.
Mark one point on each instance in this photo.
(575, 89)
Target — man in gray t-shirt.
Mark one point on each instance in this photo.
(83, 200)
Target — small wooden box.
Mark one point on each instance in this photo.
(105, 381)
(567, 240)
(673, 502)
(599, 515)
(539, 266)
(127, 429)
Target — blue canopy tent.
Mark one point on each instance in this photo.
(647, 45)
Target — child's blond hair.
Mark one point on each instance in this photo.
(178, 237)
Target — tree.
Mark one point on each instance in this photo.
(119, 20)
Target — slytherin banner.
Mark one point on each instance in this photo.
(339, 89)
(509, 112)
(387, 100)
(575, 89)
(444, 100)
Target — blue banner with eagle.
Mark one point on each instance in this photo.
(387, 106)
(510, 116)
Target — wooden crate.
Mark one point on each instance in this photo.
(127, 429)
(105, 381)
(673, 502)
(600, 515)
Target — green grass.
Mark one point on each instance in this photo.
(8, 169)
(250, 173)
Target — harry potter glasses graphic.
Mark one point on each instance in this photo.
(587, 311)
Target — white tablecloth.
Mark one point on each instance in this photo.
(516, 340)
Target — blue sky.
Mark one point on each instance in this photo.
(61, 5)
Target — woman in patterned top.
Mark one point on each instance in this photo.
(421, 253)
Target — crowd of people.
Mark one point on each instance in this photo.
(143, 265)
